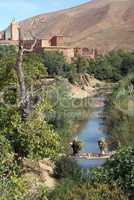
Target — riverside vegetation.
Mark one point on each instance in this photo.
(48, 126)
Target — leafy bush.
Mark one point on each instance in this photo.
(8, 165)
(34, 68)
(120, 169)
(70, 190)
(54, 62)
(13, 188)
(81, 64)
(113, 66)
(117, 170)
(67, 167)
(34, 138)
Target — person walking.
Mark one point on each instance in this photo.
(102, 145)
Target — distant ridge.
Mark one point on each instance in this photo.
(102, 24)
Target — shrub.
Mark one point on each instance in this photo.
(54, 62)
(8, 165)
(67, 167)
(33, 138)
(117, 170)
(13, 188)
(70, 190)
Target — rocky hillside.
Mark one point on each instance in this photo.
(103, 24)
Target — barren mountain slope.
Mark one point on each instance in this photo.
(105, 24)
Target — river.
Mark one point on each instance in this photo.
(90, 133)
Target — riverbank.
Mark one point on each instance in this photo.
(86, 86)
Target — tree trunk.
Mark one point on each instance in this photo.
(25, 98)
(20, 74)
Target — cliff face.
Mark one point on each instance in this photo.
(102, 24)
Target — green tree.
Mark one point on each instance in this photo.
(33, 138)
(81, 64)
(127, 65)
(34, 68)
(54, 62)
(70, 71)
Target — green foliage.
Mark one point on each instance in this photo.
(7, 51)
(7, 61)
(103, 69)
(41, 194)
(67, 168)
(118, 170)
(115, 180)
(13, 188)
(7, 163)
(81, 64)
(127, 65)
(70, 190)
(54, 62)
(33, 138)
(34, 68)
(119, 112)
(112, 67)
(121, 169)
(70, 71)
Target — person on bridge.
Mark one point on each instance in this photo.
(102, 145)
(76, 146)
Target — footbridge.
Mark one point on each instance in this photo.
(93, 156)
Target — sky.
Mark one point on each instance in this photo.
(22, 9)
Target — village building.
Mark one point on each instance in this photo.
(57, 40)
(54, 44)
(85, 52)
(11, 35)
(68, 52)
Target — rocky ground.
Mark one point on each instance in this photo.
(38, 174)
(87, 86)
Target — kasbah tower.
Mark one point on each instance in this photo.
(14, 30)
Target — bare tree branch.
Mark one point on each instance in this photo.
(25, 96)
(31, 48)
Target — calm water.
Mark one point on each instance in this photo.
(92, 131)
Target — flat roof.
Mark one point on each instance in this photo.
(59, 47)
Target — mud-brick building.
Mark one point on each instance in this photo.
(86, 52)
(11, 33)
(68, 52)
(54, 44)
(39, 46)
(57, 40)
